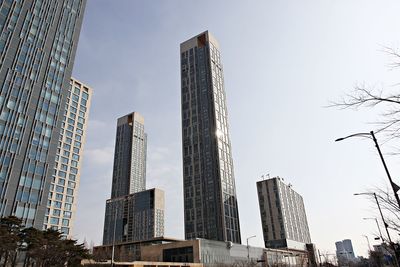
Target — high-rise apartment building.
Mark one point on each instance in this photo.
(134, 217)
(129, 173)
(210, 203)
(61, 204)
(38, 40)
(283, 216)
(132, 213)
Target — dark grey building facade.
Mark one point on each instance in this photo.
(38, 40)
(129, 173)
(210, 203)
(132, 213)
(134, 217)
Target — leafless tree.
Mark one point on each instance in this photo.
(389, 206)
(328, 258)
(364, 96)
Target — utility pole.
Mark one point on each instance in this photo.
(394, 186)
(248, 248)
(113, 243)
(320, 260)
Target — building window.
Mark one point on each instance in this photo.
(54, 220)
(56, 212)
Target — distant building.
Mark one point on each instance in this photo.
(133, 214)
(210, 202)
(62, 198)
(283, 215)
(134, 217)
(344, 251)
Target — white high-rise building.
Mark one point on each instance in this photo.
(62, 198)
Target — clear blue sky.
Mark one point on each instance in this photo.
(283, 62)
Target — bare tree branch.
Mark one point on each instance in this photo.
(364, 96)
(388, 205)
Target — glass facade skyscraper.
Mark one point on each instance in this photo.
(38, 40)
(134, 217)
(129, 172)
(61, 203)
(210, 202)
(132, 213)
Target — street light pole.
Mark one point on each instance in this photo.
(369, 245)
(384, 223)
(113, 243)
(380, 211)
(320, 260)
(377, 224)
(248, 249)
(394, 186)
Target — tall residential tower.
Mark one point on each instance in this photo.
(129, 173)
(132, 213)
(210, 203)
(38, 40)
(61, 204)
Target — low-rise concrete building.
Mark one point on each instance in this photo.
(91, 263)
(213, 253)
(127, 251)
(209, 253)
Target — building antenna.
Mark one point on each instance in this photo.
(265, 176)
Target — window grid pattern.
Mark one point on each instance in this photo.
(283, 215)
(209, 189)
(138, 159)
(129, 171)
(135, 217)
(37, 45)
(61, 204)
